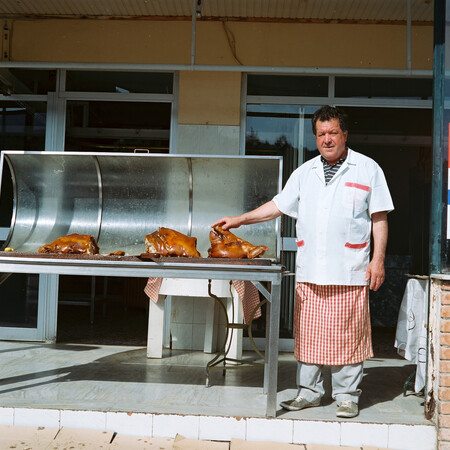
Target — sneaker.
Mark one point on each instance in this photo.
(298, 403)
(348, 409)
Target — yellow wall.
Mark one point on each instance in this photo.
(247, 43)
(101, 41)
(313, 45)
(209, 98)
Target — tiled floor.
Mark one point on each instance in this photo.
(89, 381)
(118, 388)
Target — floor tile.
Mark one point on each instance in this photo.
(222, 428)
(320, 432)
(165, 425)
(269, 430)
(412, 437)
(133, 424)
(358, 434)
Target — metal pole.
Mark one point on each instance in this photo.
(408, 34)
(440, 156)
(50, 65)
(193, 31)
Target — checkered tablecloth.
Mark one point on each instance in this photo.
(246, 290)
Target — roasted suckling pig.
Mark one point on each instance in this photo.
(167, 242)
(72, 244)
(225, 244)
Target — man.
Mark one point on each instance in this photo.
(338, 199)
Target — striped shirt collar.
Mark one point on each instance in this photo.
(330, 170)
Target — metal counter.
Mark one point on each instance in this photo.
(134, 268)
(120, 198)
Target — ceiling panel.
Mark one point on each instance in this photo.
(339, 10)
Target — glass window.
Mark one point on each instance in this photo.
(287, 85)
(281, 130)
(19, 300)
(117, 126)
(123, 82)
(399, 140)
(24, 81)
(366, 87)
(22, 126)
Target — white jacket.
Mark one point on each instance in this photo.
(334, 221)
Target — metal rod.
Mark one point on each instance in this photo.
(408, 34)
(214, 68)
(191, 196)
(100, 197)
(193, 31)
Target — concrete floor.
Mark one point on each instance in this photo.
(119, 378)
(88, 380)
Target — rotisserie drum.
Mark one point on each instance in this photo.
(167, 242)
(225, 244)
(72, 244)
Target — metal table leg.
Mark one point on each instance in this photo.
(271, 361)
(222, 356)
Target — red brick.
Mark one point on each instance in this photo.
(444, 408)
(444, 380)
(445, 286)
(445, 339)
(444, 421)
(445, 326)
(444, 434)
(444, 393)
(444, 445)
(444, 367)
(445, 353)
(445, 311)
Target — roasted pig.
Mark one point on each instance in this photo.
(225, 244)
(167, 242)
(73, 243)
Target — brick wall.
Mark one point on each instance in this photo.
(443, 367)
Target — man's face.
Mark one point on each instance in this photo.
(331, 140)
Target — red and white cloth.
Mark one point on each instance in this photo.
(332, 324)
(246, 290)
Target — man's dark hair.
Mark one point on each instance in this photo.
(326, 113)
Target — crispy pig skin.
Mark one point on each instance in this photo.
(225, 244)
(72, 244)
(167, 242)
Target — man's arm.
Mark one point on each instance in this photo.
(265, 212)
(375, 270)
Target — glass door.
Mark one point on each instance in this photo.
(22, 127)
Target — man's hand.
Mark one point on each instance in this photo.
(375, 273)
(228, 222)
(265, 212)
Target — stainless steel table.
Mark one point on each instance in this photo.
(133, 267)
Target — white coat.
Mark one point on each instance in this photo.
(334, 220)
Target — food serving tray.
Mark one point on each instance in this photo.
(141, 257)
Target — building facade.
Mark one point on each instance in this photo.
(240, 78)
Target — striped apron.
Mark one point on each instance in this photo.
(332, 324)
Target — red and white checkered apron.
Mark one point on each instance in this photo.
(332, 324)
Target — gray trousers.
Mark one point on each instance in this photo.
(344, 381)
